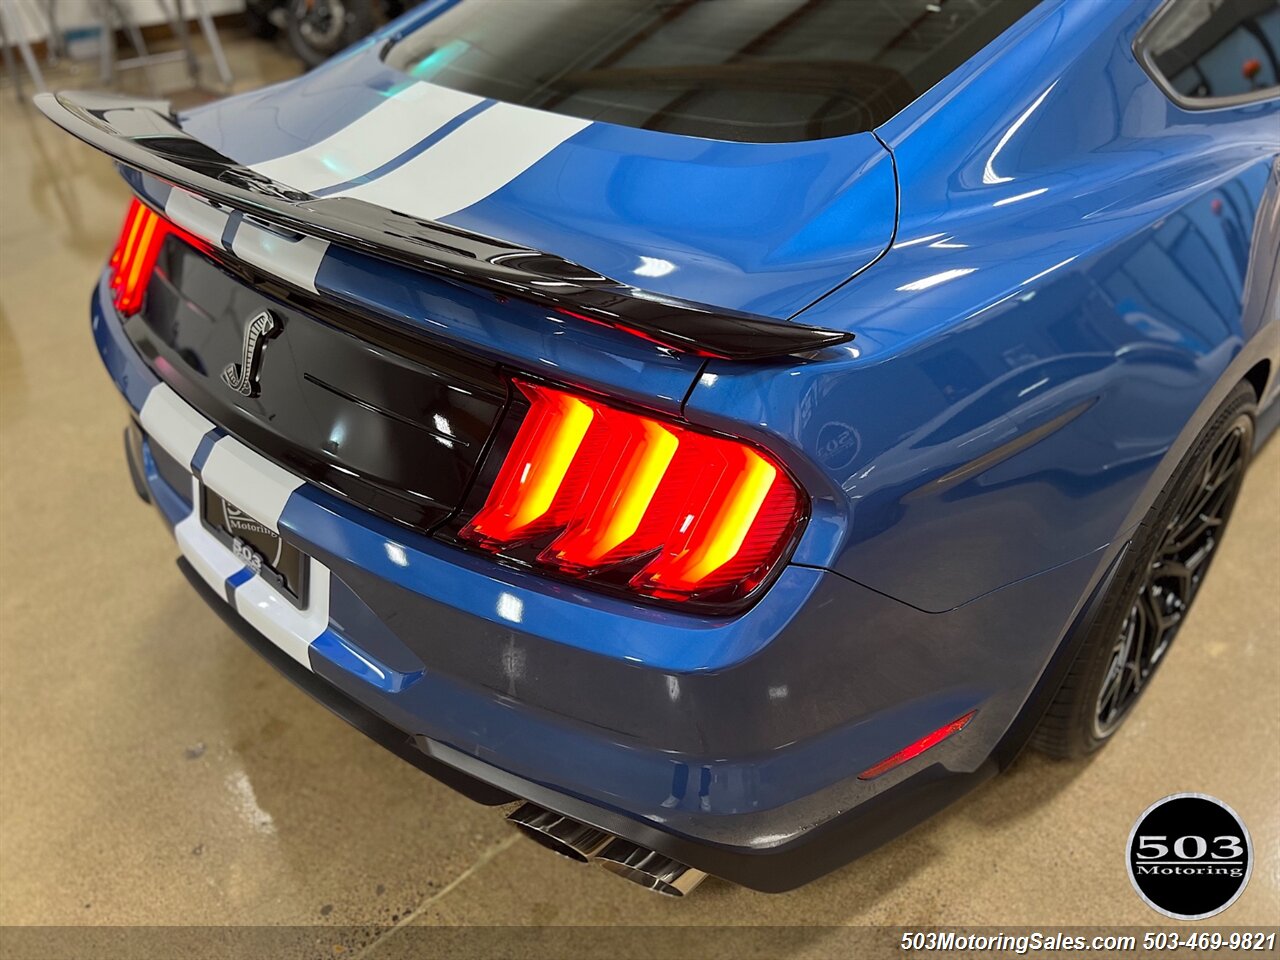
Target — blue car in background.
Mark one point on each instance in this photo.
(731, 430)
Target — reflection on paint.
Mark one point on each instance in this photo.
(438, 59)
(1020, 197)
(924, 283)
(989, 174)
(654, 267)
(510, 607)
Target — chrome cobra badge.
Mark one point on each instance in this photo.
(242, 377)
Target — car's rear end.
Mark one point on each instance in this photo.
(414, 378)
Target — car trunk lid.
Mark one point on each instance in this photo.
(761, 228)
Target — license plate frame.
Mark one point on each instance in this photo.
(280, 564)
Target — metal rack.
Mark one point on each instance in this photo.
(116, 15)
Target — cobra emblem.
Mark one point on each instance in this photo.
(242, 377)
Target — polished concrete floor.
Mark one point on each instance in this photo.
(153, 770)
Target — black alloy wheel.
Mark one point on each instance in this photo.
(1173, 577)
(1152, 591)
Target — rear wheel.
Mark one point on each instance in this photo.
(1155, 587)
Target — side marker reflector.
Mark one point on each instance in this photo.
(920, 746)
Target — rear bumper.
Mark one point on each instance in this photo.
(813, 854)
(730, 745)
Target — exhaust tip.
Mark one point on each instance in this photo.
(650, 869)
(559, 834)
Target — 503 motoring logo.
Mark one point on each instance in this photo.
(1189, 856)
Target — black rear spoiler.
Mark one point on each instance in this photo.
(145, 135)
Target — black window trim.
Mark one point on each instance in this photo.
(1142, 52)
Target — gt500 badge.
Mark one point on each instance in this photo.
(1189, 856)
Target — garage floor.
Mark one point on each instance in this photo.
(153, 770)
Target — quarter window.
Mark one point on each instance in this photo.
(1213, 50)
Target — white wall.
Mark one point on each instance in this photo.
(27, 17)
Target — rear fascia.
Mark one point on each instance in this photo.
(743, 731)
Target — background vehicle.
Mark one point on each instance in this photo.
(1000, 345)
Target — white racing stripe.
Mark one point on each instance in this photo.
(210, 558)
(250, 481)
(173, 423)
(197, 216)
(293, 259)
(261, 489)
(376, 137)
(481, 156)
(290, 629)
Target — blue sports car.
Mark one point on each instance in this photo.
(730, 429)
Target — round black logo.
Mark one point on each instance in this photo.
(1189, 856)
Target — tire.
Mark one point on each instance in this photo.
(320, 28)
(1154, 588)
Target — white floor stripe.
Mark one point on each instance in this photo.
(481, 156)
(294, 260)
(173, 423)
(195, 215)
(382, 134)
(250, 481)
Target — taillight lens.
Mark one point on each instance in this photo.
(642, 505)
(135, 255)
(134, 258)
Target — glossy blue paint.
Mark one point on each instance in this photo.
(764, 228)
(278, 120)
(355, 660)
(1080, 242)
(1076, 261)
(654, 637)
(239, 578)
(753, 754)
(131, 376)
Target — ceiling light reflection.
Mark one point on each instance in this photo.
(924, 283)
(989, 174)
(654, 267)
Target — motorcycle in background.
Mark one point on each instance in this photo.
(317, 29)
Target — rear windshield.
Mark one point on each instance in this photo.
(764, 71)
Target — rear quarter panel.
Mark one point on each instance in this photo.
(1080, 272)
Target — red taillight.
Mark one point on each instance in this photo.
(134, 257)
(917, 748)
(625, 500)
